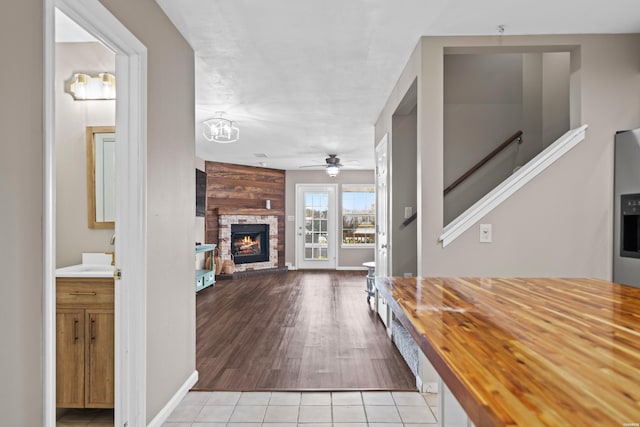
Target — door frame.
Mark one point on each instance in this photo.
(298, 223)
(383, 144)
(130, 290)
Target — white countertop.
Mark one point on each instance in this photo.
(86, 270)
(93, 265)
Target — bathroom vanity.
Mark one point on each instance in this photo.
(84, 337)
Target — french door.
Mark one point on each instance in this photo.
(316, 232)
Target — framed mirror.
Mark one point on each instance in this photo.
(101, 179)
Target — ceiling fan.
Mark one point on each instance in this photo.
(332, 165)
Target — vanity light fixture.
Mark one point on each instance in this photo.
(100, 87)
(219, 129)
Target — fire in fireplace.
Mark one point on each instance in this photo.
(250, 243)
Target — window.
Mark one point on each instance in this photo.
(358, 215)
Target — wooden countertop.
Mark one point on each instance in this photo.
(528, 352)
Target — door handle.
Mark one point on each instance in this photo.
(92, 327)
(75, 330)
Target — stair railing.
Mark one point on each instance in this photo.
(515, 137)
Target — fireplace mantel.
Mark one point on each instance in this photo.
(256, 212)
(229, 216)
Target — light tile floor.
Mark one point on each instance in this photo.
(305, 409)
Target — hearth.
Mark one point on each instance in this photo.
(250, 243)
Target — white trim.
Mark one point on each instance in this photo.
(175, 400)
(131, 122)
(512, 184)
(352, 268)
(49, 223)
(358, 246)
(382, 219)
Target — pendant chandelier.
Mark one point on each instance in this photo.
(220, 129)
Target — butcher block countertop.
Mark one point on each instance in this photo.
(528, 352)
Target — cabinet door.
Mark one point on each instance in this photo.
(70, 354)
(99, 375)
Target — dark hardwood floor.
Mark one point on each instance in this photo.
(295, 331)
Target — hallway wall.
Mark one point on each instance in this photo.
(170, 202)
(21, 189)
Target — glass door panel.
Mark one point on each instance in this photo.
(316, 226)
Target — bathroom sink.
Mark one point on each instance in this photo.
(86, 270)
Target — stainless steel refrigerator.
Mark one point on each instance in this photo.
(626, 244)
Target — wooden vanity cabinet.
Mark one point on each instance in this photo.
(84, 342)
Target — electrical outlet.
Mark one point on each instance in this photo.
(291, 218)
(407, 275)
(486, 235)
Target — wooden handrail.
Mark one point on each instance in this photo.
(516, 136)
(410, 219)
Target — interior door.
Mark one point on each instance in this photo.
(382, 197)
(316, 234)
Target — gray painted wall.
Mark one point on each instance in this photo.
(483, 106)
(347, 257)
(170, 202)
(404, 241)
(72, 118)
(487, 98)
(21, 40)
(555, 96)
(559, 224)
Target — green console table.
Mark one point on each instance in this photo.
(205, 278)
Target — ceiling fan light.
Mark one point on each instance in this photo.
(333, 170)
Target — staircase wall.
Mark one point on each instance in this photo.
(483, 106)
(559, 224)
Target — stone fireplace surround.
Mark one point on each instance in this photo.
(226, 217)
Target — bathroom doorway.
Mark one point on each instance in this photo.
(130, 113)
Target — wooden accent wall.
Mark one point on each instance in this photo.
(243, 187)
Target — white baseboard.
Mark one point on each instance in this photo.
(355, 268)
(175, 400)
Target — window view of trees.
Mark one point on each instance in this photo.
(358, 215)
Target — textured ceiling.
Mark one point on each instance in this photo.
(306, 78)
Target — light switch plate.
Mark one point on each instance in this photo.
(486, 235)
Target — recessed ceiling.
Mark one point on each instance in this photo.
(307, 78)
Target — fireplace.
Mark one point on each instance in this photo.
(250, 243)
(239, 218)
